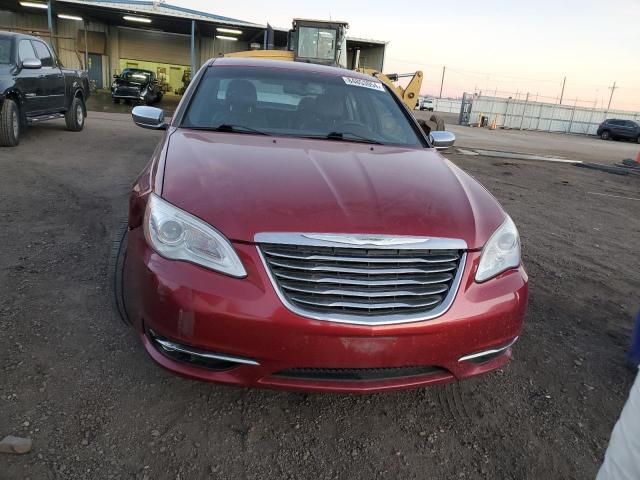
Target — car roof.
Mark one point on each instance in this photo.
(297, 66)
(4, 33)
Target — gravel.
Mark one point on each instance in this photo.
(77, 382)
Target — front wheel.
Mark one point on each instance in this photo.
(115, 100)
(605, 135)
(116, 271)
(9, 124)
(638, 139)
(74, 118)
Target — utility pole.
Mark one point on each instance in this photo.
(442, 82)
(613, 89)
(562, 92)
(524, 111)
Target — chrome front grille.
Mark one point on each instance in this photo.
(363, 284)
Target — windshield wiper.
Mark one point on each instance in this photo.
(356, 137)
(232, 128)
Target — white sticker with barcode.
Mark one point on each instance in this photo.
(360, 82)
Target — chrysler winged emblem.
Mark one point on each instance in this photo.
(377, 240)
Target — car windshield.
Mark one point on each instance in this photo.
(279, 101)
(135, 75)
(5, 50)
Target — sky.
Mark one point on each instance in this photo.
(512, 47)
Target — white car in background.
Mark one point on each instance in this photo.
(427, 104)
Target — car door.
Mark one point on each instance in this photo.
(28, 80)
(622, 130)
(631, 131)
(54, 87)
(616, 128)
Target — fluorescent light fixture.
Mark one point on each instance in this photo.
(223, 37)
(69, 17)
(129, 18)
(229, 30)
(34, 5)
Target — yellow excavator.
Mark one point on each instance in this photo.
(324, 42)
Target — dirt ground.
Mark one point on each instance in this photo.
(558, 145)
(75, 380)
(100, 101)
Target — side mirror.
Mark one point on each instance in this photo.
(115, 75)
(149, 117)
(31, 63)
(442, 139)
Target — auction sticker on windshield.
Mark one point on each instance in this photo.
(359, 82)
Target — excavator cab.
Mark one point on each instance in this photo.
(319, 41)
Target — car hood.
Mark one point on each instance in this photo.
(129, 83)
(246, 184)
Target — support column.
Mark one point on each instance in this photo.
(193, 48)
(52, 27)
(86, 48)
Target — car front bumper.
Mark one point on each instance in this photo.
(127, 94)
(206, 312)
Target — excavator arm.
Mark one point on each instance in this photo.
(409, 94)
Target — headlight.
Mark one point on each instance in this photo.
(177, 235)
(500, 253)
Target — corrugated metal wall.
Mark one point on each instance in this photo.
(26, 21)
(66, 31)
(225, 46)
(447, 105)
(548, 117)
(369, 58)
(207, 49)
(154, 46)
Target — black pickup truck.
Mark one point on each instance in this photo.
(34, 87)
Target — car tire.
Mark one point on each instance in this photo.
(638, 139)
(116, 272)
(605, 135)
(116, 100)
(74, 118)
(9, 124)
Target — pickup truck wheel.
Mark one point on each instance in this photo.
(9, 124)
(74, 117)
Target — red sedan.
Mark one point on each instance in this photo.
(296, 229)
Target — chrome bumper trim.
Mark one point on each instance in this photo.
(488, 352)
(174, 347)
